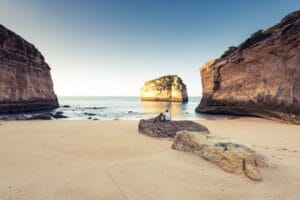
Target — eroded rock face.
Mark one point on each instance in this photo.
(168, 129)
(25, 80)
(260, 77)
(230, 157)
(166, 88)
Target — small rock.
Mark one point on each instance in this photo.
(89, 114)
(59, 116)
(96, 108)
(66, 106)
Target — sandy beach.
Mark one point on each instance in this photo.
(110, 160)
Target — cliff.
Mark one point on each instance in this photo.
(25, 80)
(166, 88)
(260, 77)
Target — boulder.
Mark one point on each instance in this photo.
(59, 113)
(25, 79)
(170, 128)
(260, 77)
(231, 157)
(166, 88)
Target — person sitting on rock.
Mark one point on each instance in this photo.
(159, 118)
(167, 116)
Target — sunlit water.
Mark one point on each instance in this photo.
(125, 108)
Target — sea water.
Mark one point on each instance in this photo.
(124, 108)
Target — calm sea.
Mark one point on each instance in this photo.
(124, 108)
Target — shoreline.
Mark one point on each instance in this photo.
(87, 159)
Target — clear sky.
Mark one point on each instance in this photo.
(111, 47)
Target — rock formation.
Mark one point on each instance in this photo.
(260, 77)
(230, 157)
(25, 80)
(166, 88)
(168, 129)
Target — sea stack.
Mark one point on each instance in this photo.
(260, 77)
(25, 79)
(167, 88)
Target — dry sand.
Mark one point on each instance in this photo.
(41, 160)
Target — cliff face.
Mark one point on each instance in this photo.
(25, 80)
(166, 88)
(261, 77)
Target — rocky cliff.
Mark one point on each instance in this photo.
(260, 77)
(166, 88)
(25, 80)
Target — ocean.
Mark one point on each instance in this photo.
(124, 108)
(121, 108)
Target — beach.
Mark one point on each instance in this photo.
(65, 159)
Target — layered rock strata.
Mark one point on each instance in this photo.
(170, 128)
(166, 88)
(25, 79)
(231, 157)
(260, 77)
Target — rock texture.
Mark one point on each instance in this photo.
(25, 80)
(230, 157)
(166, 88)
(260, 77)
(168, 129)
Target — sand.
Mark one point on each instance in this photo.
(41, 160)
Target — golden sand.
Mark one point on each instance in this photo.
(111, 160)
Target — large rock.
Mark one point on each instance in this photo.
(168, 129)
(25, 80)
(260, 77)
(230, 157)
(166, 88)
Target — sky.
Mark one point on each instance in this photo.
(111, 47)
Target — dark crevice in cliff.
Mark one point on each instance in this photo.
(217, 79)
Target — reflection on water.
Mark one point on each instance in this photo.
(124, 108)
(152, 108)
